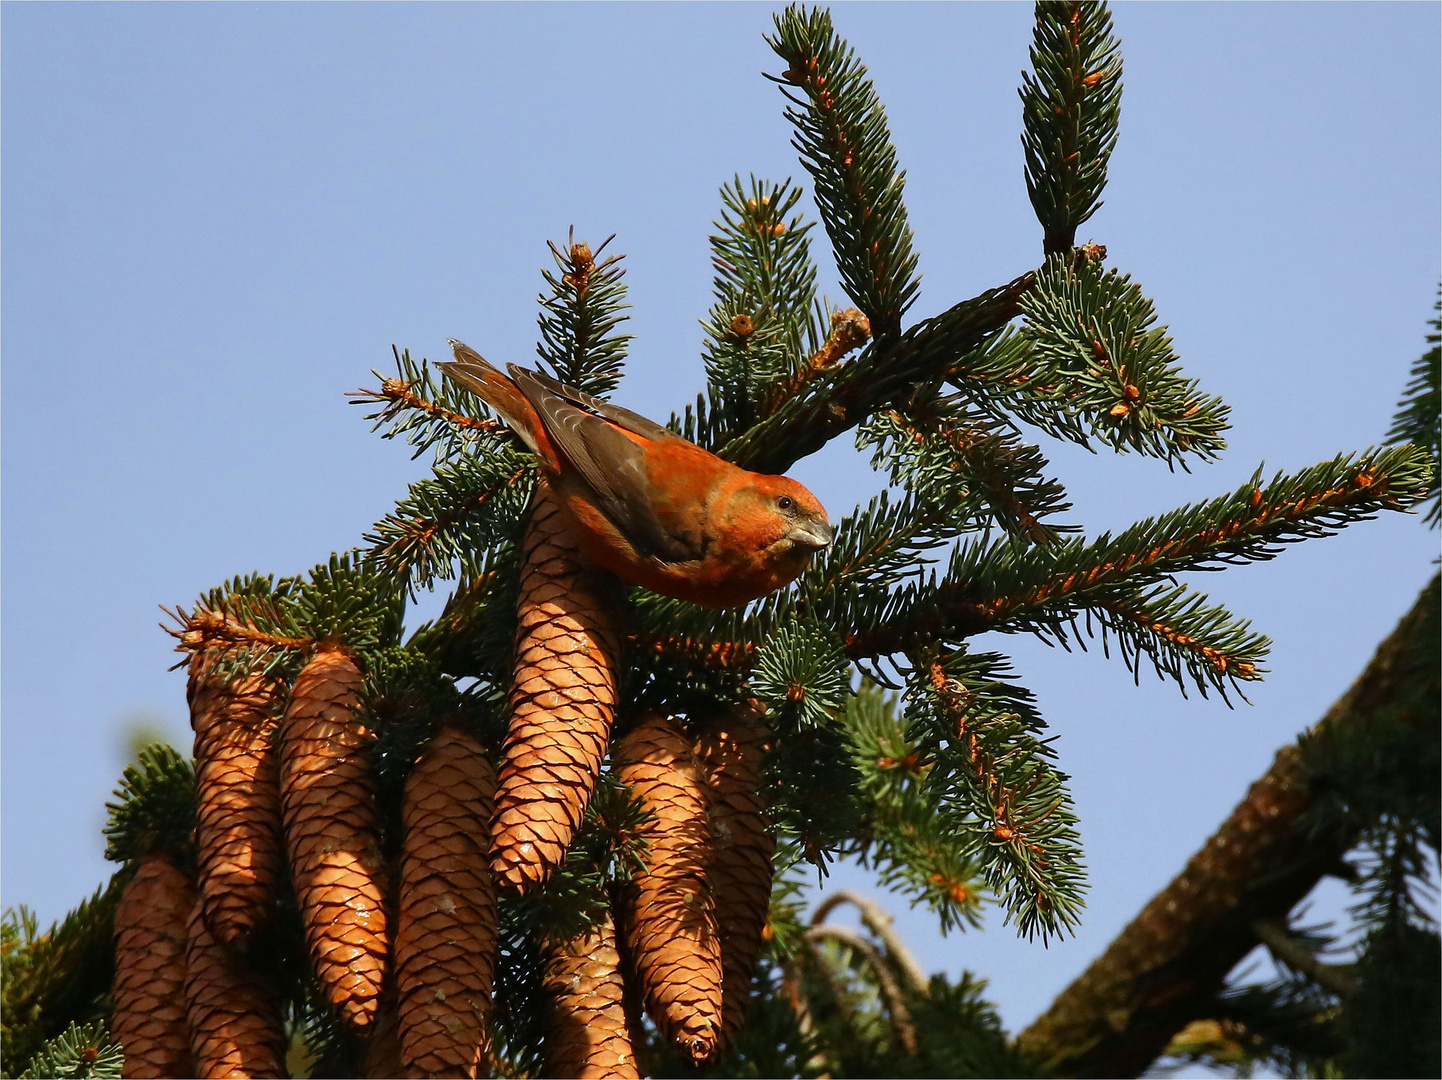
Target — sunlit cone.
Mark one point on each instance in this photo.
(149, 986)
(236, 1028)
(446, 933)
(563, 697)
(586, 1035)
(237, 777)
(331, 834)
(740, 871)
(670, 920)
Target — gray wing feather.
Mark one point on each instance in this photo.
(467, 370)
(625, 417)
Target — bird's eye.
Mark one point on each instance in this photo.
(786, 502)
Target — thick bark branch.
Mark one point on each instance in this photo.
(1162, 971)
(930, 350)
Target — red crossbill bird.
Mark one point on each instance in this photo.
(649, 506)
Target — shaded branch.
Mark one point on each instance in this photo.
(1166, 967)
(879, 923)
(890, 992)
(1279, 942)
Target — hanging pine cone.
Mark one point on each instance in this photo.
(587, 1036)
(331, 833)
(740, 870)
(383, 1052)
(670, 919)
(563, 697)
(237, 779)
(235, 1023)
(446, 934)
(149, 988)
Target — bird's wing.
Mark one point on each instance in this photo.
(473, 372)
(613, 466)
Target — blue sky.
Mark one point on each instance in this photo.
(218, 218)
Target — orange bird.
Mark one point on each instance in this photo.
(647, 505)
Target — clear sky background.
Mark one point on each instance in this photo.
(217, 219)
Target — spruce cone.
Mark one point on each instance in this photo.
(149, 988)
(235, 1024)
(331, 832)
(238, 789)
(446, 935)
(740, 871)
(588, 1036)
(563, 697)
(670, 918)
(383, 1052)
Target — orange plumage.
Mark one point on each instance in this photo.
(647, 505)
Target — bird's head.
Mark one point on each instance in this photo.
(788, 522)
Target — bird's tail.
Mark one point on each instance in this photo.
(472, 371)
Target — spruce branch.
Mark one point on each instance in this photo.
(427, 413)
(801, 675)
(850, 330)
(907, 839)
(998, 786)
(57, 978)
(1090, 362)
(1002, 586)
(880, 923)
(874, 549)
(765, 290)
(1071, 101)
(1417, 419)
(457, 513)
(1187, 639)
(579, 318)
(959, 459)
(244, 621)
(154, 807)
(1168, 966)
(350, 601)
(715, 655)
(259, 626)
(843, 140)
(241, 646)
(1287, 948)
(78, 1053)
(876, 964)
